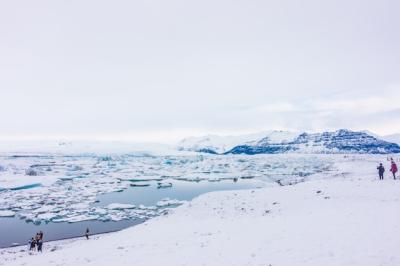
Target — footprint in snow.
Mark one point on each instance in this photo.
(267, 211)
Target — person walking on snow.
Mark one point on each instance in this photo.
(393, 169)
(381, 170)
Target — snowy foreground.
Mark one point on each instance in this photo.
(344, 217)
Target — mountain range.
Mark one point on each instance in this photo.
(274, 142)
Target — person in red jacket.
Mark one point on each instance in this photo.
(393, 169)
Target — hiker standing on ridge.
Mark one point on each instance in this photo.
(393, 169)
(381, 170)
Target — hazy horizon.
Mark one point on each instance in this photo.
(131, 139)
(159, 71)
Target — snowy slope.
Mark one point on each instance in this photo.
(346, 217)
(395, 138)
(222, 144)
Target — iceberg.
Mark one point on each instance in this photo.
(120, 206)
(166, 202)
(7, 213)
(164, 185)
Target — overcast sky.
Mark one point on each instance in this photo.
(157, 70)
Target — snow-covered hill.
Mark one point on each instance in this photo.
(341, 141)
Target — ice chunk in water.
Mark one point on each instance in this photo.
(31, 172)
(164, 185)
(143, 178)
(140, 184)
(169, 202)
(77, 218)
(120, 206)
(7, 213)
(48, 216)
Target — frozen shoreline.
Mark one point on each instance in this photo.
(9, 254)
(57, 241)
(342, 218)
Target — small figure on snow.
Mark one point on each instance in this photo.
(87, 233)
(393, 169)
(381, 170)
(39, 245)
(32, 244)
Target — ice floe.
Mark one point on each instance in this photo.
(164, 184)
(169, 202)
(120, 206)
(7, 213)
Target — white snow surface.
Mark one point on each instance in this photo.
(342, 217)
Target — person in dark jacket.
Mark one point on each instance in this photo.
(381, 170)
(39, 245)
(32, 244)
(87, 233)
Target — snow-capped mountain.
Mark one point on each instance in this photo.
(221, 144)
(341, 141)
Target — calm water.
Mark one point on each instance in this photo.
(13, 230)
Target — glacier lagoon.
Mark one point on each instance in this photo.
(63, 195)
(17, 231)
